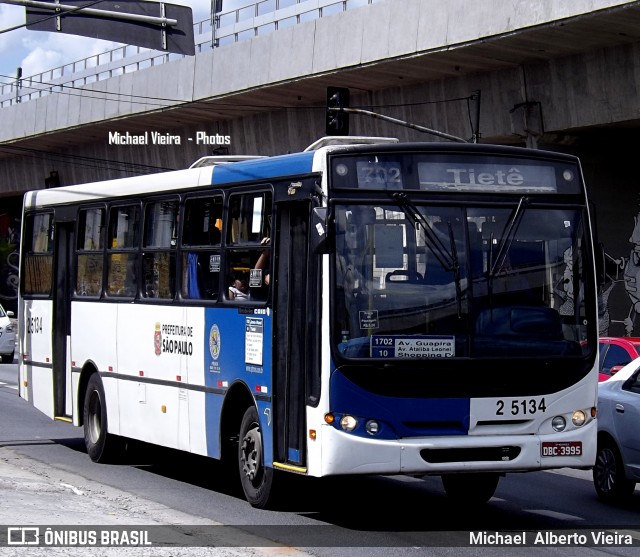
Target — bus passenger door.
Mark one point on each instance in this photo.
(61, 326)
(293, 309)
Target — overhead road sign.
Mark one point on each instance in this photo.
(156, 25)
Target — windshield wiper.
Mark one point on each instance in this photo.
(507, 237)
(435, 245)
(448, 259)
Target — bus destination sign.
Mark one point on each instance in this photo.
(454, 175)
(395, 346)
(379, 175)
(487, 177)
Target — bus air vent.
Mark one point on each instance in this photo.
(501, 422)
(480, 454)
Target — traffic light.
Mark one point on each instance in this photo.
(337, 121)
(53, 181)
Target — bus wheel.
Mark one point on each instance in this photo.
(470, 488)
(608, 475)
(256, 478)
(101, 445)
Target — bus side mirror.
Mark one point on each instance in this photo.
(319, 233)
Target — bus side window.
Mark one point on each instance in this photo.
(249, 228)
(201, 236)
(248, 274)
(200, 275)
(123, 249)
(160, 245)
(89, 251)
(249, 218)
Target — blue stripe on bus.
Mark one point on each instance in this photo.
(230, 339)
(261, 169)
(407, 417)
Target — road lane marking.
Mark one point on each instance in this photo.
(554, 514)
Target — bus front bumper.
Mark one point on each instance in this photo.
(343, 453)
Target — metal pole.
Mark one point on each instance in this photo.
(476, 132)
(163, 26)
(401, 122)
(216, 8)
(18, 85)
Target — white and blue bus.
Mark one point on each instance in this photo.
(366, 308)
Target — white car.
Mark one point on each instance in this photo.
(617, 467)
(7, 336)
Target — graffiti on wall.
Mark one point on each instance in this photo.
(9, 259)
(622, 273)
(622, 277)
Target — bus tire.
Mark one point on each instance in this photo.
(255, 477)
(608, 474)
(101, 445)
(475, 488)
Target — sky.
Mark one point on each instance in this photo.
(37, 51)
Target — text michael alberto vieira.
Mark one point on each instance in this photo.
(158, 138)
(593, 538)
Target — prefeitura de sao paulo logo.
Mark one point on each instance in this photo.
(157, 340)
(214, 341)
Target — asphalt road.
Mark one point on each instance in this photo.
(359, 517)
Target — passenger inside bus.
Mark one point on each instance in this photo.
(239, 289)
(263, 261)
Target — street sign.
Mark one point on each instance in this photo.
(155, 25)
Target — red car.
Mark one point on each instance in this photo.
(616, 352)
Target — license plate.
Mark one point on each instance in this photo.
(561, 448)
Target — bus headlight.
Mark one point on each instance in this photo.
(558, 423)
(348, 423)
(372, 427)
(579, 418)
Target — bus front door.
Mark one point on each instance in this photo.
(294, 308)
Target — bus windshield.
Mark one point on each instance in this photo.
(414, 280)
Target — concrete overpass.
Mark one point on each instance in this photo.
(408, 58)
(562, 75)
